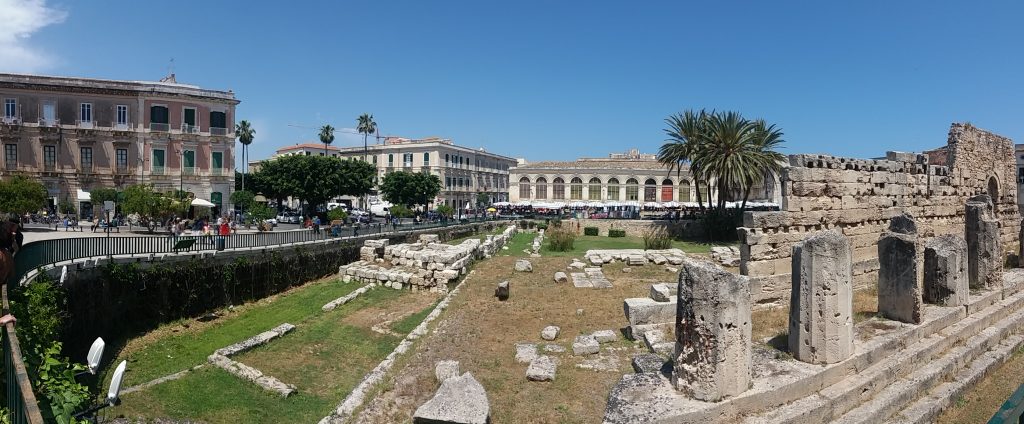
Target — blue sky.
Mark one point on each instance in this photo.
(558, 80)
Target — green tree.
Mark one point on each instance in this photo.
(245, 134)
(400, 211)
(326, 137)
(21, 195)
(410, 188)
(67, 207)
(445, 211)
(151, 206)
(99, 195)
(366, 126)
(482, 199)
(765, 139)
(685, 135)
(317, 179)
(243, 198)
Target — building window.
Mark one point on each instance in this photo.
(122, 160)
(632, 189)
(666, 190)
(49, 157)
(613, 189)
(684, 191)
(217, 199)
(407, 160)
(11, 156)
(426, 159)
(10, 108)
(49, 113)
(374, 159)
(448, 183)
(705, 192)
(576, 189)
(558, 189)
(542, 188)
(217, 163)
(189, 124)
(650, 190)
(158, 161)
(391, 159)
(594, 191)
(85, 156)
(122, 115)
(85, 115)
(218, 120)
(189, 162)
(446, 160)
(159, 118)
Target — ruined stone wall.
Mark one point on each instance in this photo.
(858, 197)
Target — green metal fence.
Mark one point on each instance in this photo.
(1012, 410)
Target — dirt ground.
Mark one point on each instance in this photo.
(481, 332)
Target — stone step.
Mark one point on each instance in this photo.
(856, 389)
(905, 390)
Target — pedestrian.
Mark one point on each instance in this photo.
(316, 224)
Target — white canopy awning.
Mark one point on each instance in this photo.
(83, 196)
(204, 203)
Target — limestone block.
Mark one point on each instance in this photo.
(585, 345)
(647, 362)
(525, 352)
(605, 336)
(899, 295)
(542, 368)
(821, 300)
(444, 370)
(560, 277)
(458, 400)
(945, 271)
(664, 292)
(523, 265)
(645, 311)
(984, 251)
(713, 346)
(550, 332)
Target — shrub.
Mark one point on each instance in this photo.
(400, 211)
(616, 233)
(560, 240)
(337, 214)
(542, 226)
(556, 223)
(590, 231)
(657, 239)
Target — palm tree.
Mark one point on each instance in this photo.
(765, 139)
(725, 153)
(326, 136)
(686, 134)
(245, 134)
(366, 126)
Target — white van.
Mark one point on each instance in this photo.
(380, 208)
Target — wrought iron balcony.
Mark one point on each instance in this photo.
(43, 122)
(189, 128)
(159, 127)
(85, 125)
(188, 170)
(218, 131)
(157, 170)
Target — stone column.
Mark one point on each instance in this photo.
(821, 302)
(984, 253)
(945, 271)
(899, 295)
(713, 347)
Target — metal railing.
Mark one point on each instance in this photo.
(121, 169)
(10, 120)
(22, 406)
(48, 252)
(217, 172)
(188, 170)
(43, 122)
(86, 125)
(189, 128)
(157, 170)
(218, 131)
(121, 126)
(1012, 411)
(161, 127)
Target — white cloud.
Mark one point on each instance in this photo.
(19, 20)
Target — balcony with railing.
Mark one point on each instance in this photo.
(121, 126)
(157, 170)
(85, 168)
(85, 125)
(121, 169)
(11, 165)
(188, 170)
(11, 119)
(49, 167)
(43, 122)
(218, 131)
(159, 127)
(217, 172)
(187, 128)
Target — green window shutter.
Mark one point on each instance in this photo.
(190, 158)
(218, 160)
(190, 116)
(158, 158)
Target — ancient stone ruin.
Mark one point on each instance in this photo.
(821, 307)
(984, 253)
(858, 198)
(945, 271)
(899, 294)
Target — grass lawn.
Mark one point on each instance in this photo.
(324, 357)
(584, 243)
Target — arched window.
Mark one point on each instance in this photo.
(426, 158)
(632, 189)
(650, 190)
(558, 188)
(594, 191)
(666, 190)
(613, 189)
(542, 188)
(684, 191)
(447, 160)
(576, 189)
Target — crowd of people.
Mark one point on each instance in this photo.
(201, 227)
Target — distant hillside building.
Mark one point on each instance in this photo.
(77, 134)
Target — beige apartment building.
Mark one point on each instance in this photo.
(621, 179)
(77, 134)
(465, 172)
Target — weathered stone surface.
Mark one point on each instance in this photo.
(523, 265)
(576, 264)
(984, 253)
(459, 400)
(821, 302)
(713, 346)
(903, 224)
(945, 271)
(502, 291)
(428, 238)
(605, 336)
(444, 370)
(550, 332)
(256, 340)
(525, 352)
(899, 295)
(542, 368)
(642, 311)
(560, 277)
(648, 362)
(553, 348)
(585, 345)
(664, 292)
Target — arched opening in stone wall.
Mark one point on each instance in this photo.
(993, 189)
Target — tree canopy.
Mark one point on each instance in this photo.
(410, 188)
(316, 179)
(21, 195)
(99, 195)
(141, 199)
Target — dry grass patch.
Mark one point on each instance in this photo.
(480, 332)
(772, 323)
(983, 400)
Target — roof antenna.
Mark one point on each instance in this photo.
(170, 74)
